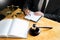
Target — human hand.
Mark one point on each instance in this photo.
(38, 13)
(26, 11)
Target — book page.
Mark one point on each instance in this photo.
(32, 17)
(19, 28)
(5, 26)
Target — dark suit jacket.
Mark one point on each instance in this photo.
(52, 11)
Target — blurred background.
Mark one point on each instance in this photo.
(5, 3)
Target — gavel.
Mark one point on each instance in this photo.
(34, 31)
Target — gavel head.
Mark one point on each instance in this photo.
(34, 31)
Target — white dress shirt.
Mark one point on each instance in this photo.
(41, 3)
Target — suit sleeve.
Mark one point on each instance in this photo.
(54, 16)
(27, 4)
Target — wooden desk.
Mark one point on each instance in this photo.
(45, 34)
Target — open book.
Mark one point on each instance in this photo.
(15, 28)
(32, 17)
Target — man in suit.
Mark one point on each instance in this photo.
(51, 11)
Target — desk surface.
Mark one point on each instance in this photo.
(45, 34)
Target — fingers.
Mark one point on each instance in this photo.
(27, 11)
(39, 14)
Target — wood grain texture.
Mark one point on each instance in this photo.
(45, 34)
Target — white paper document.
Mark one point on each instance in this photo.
(32, 17)
(14, 28)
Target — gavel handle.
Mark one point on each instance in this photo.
(46, 27)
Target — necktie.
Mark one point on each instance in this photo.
(43, 6)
